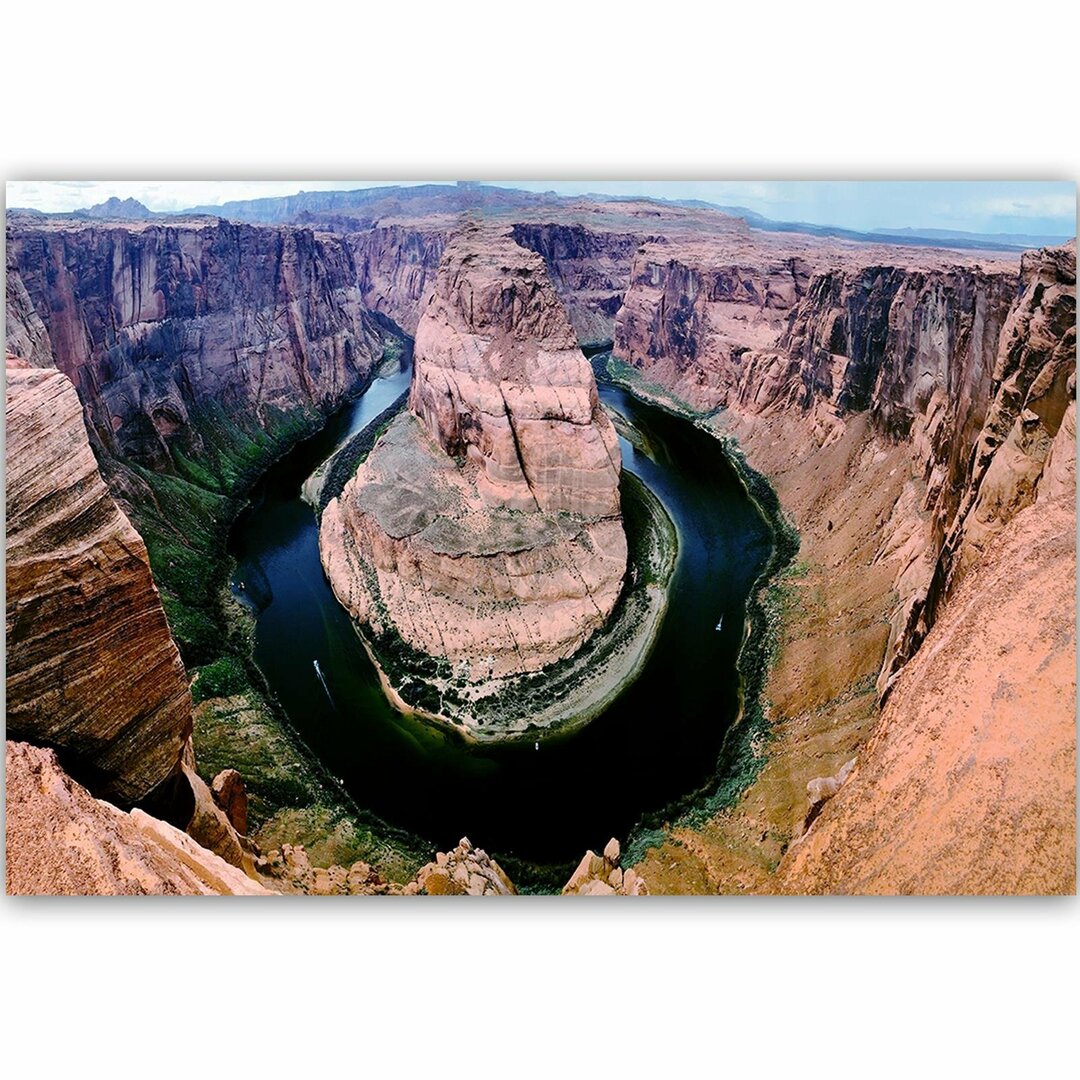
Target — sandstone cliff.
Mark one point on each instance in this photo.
(907, 414)
(968, 783)
(63, 841)
(395, 269)
(590, 269)
(933, 347)
(91, 667)
(499, 378)
(485, 528)
(167, 330)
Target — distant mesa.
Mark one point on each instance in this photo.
(114, 209)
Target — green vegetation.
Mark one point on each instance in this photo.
(184, 519)
(354, 453)
(222, 678)
(621, 372)
(291, 799)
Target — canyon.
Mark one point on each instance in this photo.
(484, 528)
(912, 407)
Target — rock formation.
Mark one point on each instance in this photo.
(907, 412)
(171, 332)
(230, 795)
(464, 871)
(601, 875)
(91, 667)
(968, 783)
(920, 401)
(500, 379)
(590, 269)
(290, 870)
(484, 528)
(61, 840)
(395, 268)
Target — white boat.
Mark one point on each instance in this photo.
(720, 623)
(322, 679)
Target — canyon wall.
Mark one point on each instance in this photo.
(689, 315)
(917, 418)
(485, 526)
(395, 269)
(91, 667)
(589, 268)
(170, 332)
(968, 784)
(63, 841)
(966, 365)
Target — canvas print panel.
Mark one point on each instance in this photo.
(574, 538)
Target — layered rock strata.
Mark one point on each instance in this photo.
(91, 667)
(484, 528)
(970, 418)
(395, 269)
(589, 268)
(170, 330)
(964, 363)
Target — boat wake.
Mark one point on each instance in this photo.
(322, 679)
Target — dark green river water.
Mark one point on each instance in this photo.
(657, 742)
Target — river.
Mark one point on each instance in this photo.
(658, 741)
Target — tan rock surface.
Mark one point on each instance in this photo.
(464, 871)
(499, 377)
(968, 785)
(485, 529)
(883, 498)
(602, 875)
(61, 840)
(230, 794)
(91, 667)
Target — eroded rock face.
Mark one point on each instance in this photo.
(589, 268)
(63, 841)
(694, 309)
(395, 268)
(484, 528)
(968, 784)
(91, 667)
(956, 357)
(169, 331)
(499, 377)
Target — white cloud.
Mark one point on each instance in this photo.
(1032, 206)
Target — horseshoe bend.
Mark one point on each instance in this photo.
(657, 547)
(484, 529)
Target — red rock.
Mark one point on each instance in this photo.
(496, 513)
(91, 667)
(231, 795)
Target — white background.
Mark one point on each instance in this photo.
(540, 988)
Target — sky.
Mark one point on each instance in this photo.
(1017, 206)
